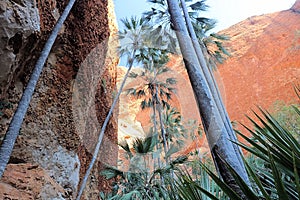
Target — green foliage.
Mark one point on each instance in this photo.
(164, 36)
(199, 6)
(133, 38)
(273, 168)
(153, 61)
(275, 152)
(162, 33)
(176, 133)
(142, 184)
(145, 145)
(279, 152)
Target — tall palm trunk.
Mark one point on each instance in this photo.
(17, 120)
(162, 127)
(214, 90)
(161, 123)
(214, 127)
(155, 130)
(101, 135)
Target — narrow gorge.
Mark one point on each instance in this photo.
(79, 83)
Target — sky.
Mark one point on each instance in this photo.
(226, 12)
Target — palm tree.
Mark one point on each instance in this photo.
(202, 25)
(176, 132)
(156, 93)
(273, 163)
(132, 42)
(273, 168)
(17, 120)
(136, 183)
(212, 113)
(141, 147)
(164, 34)
(174, 125)
(210, 43)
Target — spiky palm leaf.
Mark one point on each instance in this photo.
(280, 152)
(144, 145)
(133, 36)
(276, 177)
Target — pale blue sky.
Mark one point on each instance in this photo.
(226, 12)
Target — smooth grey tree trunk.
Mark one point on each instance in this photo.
(215, 128)
(207, 71)
(17, 120)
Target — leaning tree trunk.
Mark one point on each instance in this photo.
(214, 127)
(17, 120)
(213, 87)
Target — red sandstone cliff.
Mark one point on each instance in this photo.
(265, 62)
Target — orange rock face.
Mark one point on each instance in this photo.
(265, 62)
(28, 181)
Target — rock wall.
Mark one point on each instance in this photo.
(19, 22)
(265, 62)
(57, 138)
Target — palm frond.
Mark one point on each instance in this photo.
(143, 145)
(132, 75)
(111, 172)
(280, 152)
(199, 6)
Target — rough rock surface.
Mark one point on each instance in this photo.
(19, 22)
(28, 181)
(53, 137)
(265, 62)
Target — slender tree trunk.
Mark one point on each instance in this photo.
(214, 127)
(17, 120)
(101, 135)
(162, 127)
(213, 87)
(155, 130)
